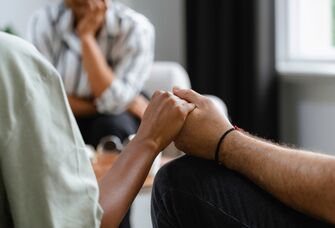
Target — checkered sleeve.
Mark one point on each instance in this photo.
(132, 70)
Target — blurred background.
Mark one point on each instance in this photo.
(271, 62)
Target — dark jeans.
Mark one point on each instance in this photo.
(192, 192)
(93, 128)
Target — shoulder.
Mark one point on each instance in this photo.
(22, 70)
(48, 15)
(44, 23)
(17, 53)
(129, 18)
(11, 45)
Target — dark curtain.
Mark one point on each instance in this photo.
(230, 53)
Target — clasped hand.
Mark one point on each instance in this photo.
(189, 119)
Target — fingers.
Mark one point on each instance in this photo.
(91, 5)
(106, 3)
(188, 107)
(157, 93)
(95, 6)
(188, 95)
(169, 101)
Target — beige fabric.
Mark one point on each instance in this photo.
(46, 179)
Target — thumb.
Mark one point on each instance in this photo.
(188, 95)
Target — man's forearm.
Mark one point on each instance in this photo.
(100, 75)
(302, 180)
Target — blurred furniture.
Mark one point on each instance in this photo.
(166, 75)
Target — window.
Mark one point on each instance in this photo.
(306, 36)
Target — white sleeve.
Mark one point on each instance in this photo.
(132, 72)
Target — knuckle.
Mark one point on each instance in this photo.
(188, 92)
(171, 99)
(157, 93)
(166, 95)
(209, 102)
(205, 101)
(179, 110)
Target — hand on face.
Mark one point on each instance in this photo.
(93, 17)
(203, 127)
(163, 119)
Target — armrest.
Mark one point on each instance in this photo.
(166, 75)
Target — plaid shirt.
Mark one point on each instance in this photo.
(126, 39)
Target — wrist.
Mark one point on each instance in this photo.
(227, 147)
(146, 145)
(86, 37)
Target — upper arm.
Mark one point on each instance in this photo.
(138, 51)
(132, 70)
(48, 178)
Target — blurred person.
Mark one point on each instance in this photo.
(232, 179)
(46, 179)
(103, 51)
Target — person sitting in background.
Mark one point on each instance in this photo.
(233, 179)
(103, 51)
(46, 179)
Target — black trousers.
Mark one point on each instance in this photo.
(93, 128)
(192, 192)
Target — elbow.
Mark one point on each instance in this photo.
(110, 109)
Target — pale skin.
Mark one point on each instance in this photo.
(302, 180)
(89, 18)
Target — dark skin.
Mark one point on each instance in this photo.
(89, 19)
(161, 123)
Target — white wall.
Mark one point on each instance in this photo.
(17, 13)
(168, 18)
(308, 112)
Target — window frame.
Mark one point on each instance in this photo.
(285, 64)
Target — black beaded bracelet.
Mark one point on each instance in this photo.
(216, 158)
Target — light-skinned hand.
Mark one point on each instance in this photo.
(203, 127)
(163, 119)
(93, 18)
